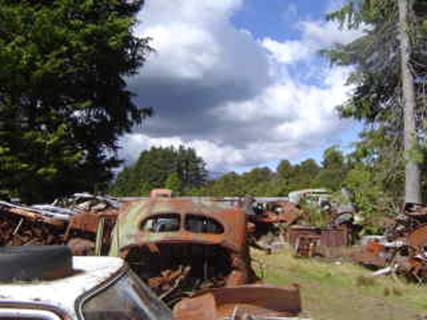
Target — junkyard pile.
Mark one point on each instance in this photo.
(192, 252)
(195, 251)
(63, 221)
(402, 249)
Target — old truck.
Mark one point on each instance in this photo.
(194, 254)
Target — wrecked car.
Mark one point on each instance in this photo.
(45, 282)
(192, 251)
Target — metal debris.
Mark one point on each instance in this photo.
(280, 221)
(57, 223)
(404, 247)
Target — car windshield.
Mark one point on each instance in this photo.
(128, 298)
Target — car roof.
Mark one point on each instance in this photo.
(127, 230)
(62, 293)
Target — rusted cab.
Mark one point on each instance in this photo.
(188, 247)
(187, 243)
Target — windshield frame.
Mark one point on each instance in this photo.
(122, 272)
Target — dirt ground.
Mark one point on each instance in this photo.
(340, 290)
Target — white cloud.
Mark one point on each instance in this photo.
(190, 55)
(195, 40)
(326, 34)
(315, 35)
(287, 51)
(239, 101)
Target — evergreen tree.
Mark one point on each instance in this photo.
(389, 77)
(174, 183)
(161, 167)
(63, 96)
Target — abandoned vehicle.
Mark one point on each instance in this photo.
(46, 282)
(193, 250)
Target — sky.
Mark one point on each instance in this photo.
(241, 81)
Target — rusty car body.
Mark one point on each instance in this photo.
(193, 250)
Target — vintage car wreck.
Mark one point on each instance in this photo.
(194, 254)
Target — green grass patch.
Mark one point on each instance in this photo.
(342, 290)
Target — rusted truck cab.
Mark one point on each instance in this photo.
(191, 251)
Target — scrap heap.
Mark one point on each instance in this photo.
(56, 223)
(276, 222)
(21, 225)
(402, 250)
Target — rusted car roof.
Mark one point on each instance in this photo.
(127, 231)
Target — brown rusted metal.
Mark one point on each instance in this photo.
(373, 254)
(21, 225)
(211, 258)
(305, 239)
(20, 229)
(405, 248)
(279, 212)
(184, 246)
(128, 231)
(417, 239)
(81, 247)
(32, 216)
(241, 302)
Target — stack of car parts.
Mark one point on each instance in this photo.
(24, 225)
(284, 221)
(403, 251)
(57, 223)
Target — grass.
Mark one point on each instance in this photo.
(339, 290)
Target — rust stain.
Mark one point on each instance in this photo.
(253, 300)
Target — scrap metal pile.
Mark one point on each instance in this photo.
(192, 252)
(402, 250)
(57, 223)
(21, 225)
(276, 222)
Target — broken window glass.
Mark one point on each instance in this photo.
(201, 224)
(162, 223)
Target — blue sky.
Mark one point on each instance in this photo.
(277, 18)
(241, 81)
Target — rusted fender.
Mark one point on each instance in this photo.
(255, 300)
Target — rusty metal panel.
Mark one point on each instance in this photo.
(326, 237)
(334, 237)
(296, 232)
(127, 231)
(252, 300)
(85, 222)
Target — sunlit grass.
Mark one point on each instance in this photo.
(331, 289)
